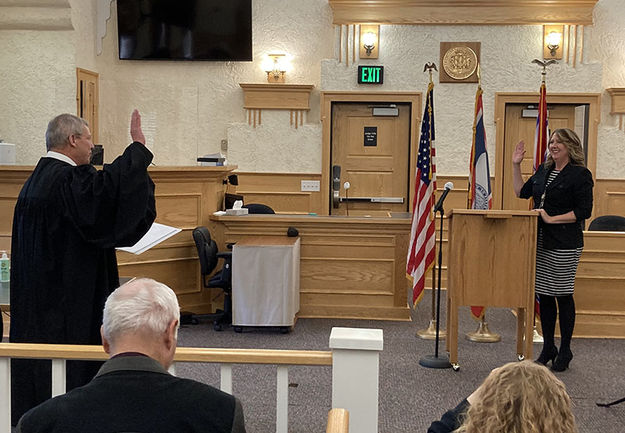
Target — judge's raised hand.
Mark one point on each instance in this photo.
(136, 133)
(519, 152)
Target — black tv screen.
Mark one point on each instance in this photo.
(185, 29)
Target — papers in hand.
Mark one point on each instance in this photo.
(157, 234)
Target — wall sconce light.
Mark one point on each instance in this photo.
(553, 37)
(276, 67)
(369, 41)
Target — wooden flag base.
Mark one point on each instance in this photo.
(483, 334)
(430, 332)
(537, 337)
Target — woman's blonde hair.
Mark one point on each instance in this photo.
(521, 397)
(573, 145)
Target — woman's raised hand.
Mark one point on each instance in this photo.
(519, 152)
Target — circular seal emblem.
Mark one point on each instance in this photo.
(481, 197)
(460, 62)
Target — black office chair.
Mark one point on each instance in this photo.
(209, 258)
(608, 223)
(258, 208)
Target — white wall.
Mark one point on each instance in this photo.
(189, 107)
(37, 76)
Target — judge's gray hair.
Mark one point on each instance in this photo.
(142, 305)
(61, 127)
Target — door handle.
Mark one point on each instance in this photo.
(375, 199)
(336, 186)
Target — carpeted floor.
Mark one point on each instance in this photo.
(411, 396)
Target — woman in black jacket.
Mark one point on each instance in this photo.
(562, 193)
(508, 401)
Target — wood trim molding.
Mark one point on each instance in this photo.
(45, 15)
(618, 100)
(268, 96)
(489, 12)
(618, 103)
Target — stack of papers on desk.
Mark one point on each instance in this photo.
(157, 234)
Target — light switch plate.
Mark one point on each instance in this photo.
(310, 185)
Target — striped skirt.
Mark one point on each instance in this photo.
(555, 269)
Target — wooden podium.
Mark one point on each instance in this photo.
(492, 259)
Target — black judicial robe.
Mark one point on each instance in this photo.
(67, 222)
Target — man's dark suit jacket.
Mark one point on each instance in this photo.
(571, 190)
(135, 394)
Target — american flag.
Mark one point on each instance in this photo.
(480, 195)
(422, 234)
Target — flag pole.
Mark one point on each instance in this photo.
(537, 338)
(435, 361)
(429, 333)
(482, 334)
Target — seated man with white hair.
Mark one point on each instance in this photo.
(133, 392)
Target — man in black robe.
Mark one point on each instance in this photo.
(68, 219)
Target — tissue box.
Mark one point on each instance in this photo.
(7, 153)
(242, 211)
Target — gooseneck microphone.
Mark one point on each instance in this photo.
(439, 204)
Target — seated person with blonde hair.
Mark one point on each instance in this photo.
(133, 392)
(519, 397)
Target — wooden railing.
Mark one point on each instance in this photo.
(353, 350)
(338, 421)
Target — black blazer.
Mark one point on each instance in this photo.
(135, 394)
(571, 190)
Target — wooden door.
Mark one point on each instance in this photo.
(372, 152)
(524, 128)
(87, 99)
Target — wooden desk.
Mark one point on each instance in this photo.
(350, 267)
(265, 281)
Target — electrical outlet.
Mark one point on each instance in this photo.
(310, 185)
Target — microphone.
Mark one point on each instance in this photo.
(439, 204)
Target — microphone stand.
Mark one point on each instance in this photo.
(435, 361)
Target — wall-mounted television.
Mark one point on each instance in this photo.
(185, 29)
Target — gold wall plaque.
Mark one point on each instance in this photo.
(459, 62)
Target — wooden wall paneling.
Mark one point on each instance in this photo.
(524, 12)
(609, 197)
(281, 191)
(600, 286)
(12, 178)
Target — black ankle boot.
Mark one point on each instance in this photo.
(562, 361)
(549, 353)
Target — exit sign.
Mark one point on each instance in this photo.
(370, 74)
